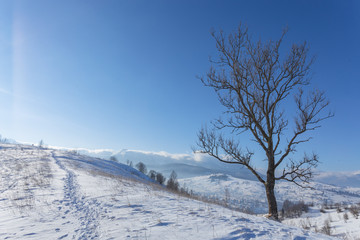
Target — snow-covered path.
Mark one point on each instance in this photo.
(86, 211)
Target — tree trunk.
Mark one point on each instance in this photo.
(270, 194)
(270, 184)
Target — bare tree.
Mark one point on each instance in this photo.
(160, 178)
(152, 174)
(129, 163)
(41, 144)
(253, 82)
(173, 183)
(354, 210)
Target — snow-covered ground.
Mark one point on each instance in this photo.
(339, 226)
(52, 194)
(248, 194)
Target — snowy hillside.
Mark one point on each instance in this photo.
(338, 222)
(194, 165)
(52, 194)
(248, 194)
(185, 165)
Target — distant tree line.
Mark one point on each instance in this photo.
(172, 183)
(293, 209)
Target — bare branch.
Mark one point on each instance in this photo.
(308, 119)
(213, 145)
(300, 172)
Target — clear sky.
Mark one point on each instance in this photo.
(122, 74)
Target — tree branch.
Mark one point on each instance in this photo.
(300, 172)
(211, 144)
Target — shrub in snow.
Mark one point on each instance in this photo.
(354, 210)
(338, 208)
(305, 224)
(326, 229)
(185, 191)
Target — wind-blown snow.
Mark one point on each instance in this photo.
(52, 194)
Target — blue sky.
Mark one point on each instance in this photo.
(122, 74)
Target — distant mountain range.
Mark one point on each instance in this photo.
(343, 179)
(185, 165)
(193, 165)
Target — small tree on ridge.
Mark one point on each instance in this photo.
(173, 183)
(160, 178)
(141, 167)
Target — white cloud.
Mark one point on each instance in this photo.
(199, 157)
(176, 156)
(94, 151)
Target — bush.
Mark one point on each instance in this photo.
(326, 229)
(354, 210)
(185, 191)
(338, 208)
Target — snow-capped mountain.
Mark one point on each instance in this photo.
(343, 179)
(54, 194)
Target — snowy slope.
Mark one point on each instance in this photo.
(52, 194)
(185, 165)
(315, 220)
(194, 165)
(248, 194)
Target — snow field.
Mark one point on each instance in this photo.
(248, 194)
(315, 220)
(49, 194)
